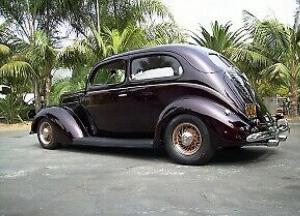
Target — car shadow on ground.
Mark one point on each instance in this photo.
(243, 155)
(223, 156)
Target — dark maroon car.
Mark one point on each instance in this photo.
(187, 99)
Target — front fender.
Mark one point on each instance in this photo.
(67, 124)
(221, 124)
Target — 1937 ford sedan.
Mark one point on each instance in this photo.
(187, 99)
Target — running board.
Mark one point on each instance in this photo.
(114, 142)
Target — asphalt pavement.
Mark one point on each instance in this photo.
(104, 181)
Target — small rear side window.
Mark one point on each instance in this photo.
(220, 61)
(154, 67)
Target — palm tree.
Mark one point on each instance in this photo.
(102, 44)
(26, 21)
(14, 63)
(164, 33)
(221, 38)
(85, 15)
(280, 45)
(35, 61)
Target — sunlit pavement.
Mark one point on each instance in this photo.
(97, 181)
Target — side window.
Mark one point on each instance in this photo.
(154, 67)
(110, 74)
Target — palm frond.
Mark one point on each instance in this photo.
(16, 69)
(151, 8)
(277, 72)
(4, 50)
(272, 36)
(220, 37)
(74, 54)
(247, 56)
(250, 21)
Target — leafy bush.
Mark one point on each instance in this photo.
(13, 109)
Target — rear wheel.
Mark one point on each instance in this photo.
(46, 133)
(187, 140)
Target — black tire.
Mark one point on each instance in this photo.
(49, 143)
(200, 154)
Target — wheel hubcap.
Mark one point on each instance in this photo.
(187, 138)
(45, 133)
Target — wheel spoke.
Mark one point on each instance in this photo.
(45, 133)
(187, 138)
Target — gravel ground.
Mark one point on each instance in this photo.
(104, 181)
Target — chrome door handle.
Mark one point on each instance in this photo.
(122, 95)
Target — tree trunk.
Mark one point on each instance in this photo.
(115, 13)
(37, 96)
(98, 15)
(294, 98)
(48, 85)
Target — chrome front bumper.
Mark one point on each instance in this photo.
(271, 137)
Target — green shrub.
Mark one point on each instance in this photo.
(13, 109)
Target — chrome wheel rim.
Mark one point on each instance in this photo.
(45, 133)
(187, 138)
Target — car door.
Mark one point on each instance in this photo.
(149, 90)
(105, 99)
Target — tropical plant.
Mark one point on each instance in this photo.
(12, 108)
(43, 57)
(279, 44)
(76, 82)
(108, 42)
(14, 63)
(220, 38)
(32, 32)
(24, 17)
(164, 33)
(35, 62)
(115, 14)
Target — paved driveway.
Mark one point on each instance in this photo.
(97, 181)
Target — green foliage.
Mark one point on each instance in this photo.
(264, 89)
(4, 50)
(13, 109)
(220, 38)
(75, 83)
(115, 14)
(279, 44)
(164, 33)
(12, 64)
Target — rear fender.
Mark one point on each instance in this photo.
(67, 124)
(213, 114)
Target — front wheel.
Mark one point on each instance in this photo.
(46, 134)
(187, 140)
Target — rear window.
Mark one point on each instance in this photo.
(220, 61)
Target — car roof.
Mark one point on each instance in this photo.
(196, 55)
(181, 49)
